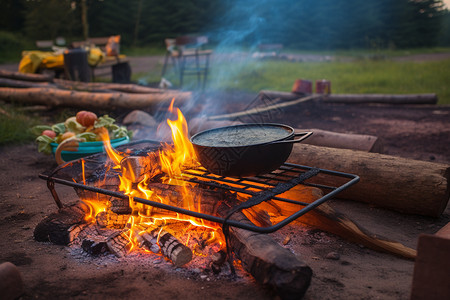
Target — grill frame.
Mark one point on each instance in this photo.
(249, 185)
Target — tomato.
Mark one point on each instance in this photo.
(86, 118)
(50, 133)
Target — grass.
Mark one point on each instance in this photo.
(15, 125)
(357, 77)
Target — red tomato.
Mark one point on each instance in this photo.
(49, 133)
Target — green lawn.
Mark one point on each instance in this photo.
(385, 77)
(368, 72)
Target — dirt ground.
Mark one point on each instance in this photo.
(49, 271)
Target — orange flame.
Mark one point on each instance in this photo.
(173, 159)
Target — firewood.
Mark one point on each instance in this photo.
(62, 226)
(119, 244)
(26, 76)
(264, 109)
(405, 185)
(97, 86)
(94, 245)
(108, 219)
(13, 83)
(135, 168)
(86, 100)
(120, 206)
(173, 249)
(364, 98)
(267, 261)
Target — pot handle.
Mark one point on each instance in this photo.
(303, 136)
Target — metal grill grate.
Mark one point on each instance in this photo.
(330, 182)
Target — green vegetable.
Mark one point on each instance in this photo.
(59, 128)
(104, 121)
(38, 129)
(87, 136)
(72, 125)
(44, 144)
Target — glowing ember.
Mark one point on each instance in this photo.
(166, 166)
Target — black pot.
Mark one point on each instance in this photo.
(245, 150)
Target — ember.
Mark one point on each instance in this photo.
(158, 199)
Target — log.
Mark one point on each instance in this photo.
(119, 244)
(268, 262)
(320, 137)
(429, 98)
(118, 87)
(264, 109)
(26, 76)
(14, 83)
(62, 227)
(381, 98)
(405, 185)
(172, 248)
(86, 100)
(108, 219)
(94, 245)
(360, 142)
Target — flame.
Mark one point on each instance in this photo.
(171, 161)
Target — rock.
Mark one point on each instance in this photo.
(333, 256)
(139, 117)
(11, 282)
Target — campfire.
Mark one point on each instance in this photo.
(155, 198)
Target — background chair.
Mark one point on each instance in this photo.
(188, 58)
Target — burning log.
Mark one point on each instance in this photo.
(119, 244)
(120, 206)
(173, 249)
(136, 167)
(405, 185)
(111, 220)
(78, 99)
(94, 245)
(63, 226)
(268, 262)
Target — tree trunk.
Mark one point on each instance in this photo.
(404, 185)
(85, 100)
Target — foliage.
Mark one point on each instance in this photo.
(11, 45)
(14, 125)
(303, 24)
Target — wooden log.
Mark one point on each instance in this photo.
(15, 83)
(94, 245)
(26, 76)
(264, 109)
(404, 185)
(360, 142)
(63, 226)
(429, 98)
(119, 244)
(320, 137)
(86, 100)
(268, 262)
(98, 86)
(381, 98)
(173, 249)
(108, 219)
(135, 168)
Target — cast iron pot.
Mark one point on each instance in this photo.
(245, 150)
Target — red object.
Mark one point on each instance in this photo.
(302, 86)
(323, 86)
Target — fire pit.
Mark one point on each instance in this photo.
(142, 197)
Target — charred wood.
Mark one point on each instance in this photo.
(119, 244)
(62, 226)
